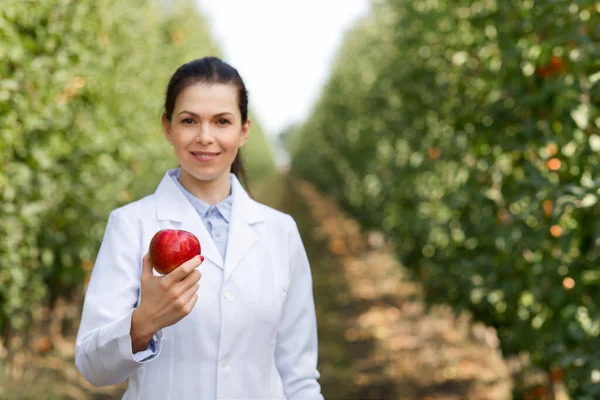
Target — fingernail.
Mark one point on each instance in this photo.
(201, 258)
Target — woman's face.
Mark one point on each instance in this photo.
(206, 130)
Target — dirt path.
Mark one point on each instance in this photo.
(376, 339)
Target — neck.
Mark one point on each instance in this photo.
(211, 192)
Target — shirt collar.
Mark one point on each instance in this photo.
(203, 208)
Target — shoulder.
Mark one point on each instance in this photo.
(283, 238)
(272, 216)
(136, 210)
(278, 223)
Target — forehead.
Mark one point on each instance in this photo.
(208, 98)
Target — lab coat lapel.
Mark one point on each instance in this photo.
(174, 206)
(194, 224)
(244, 213)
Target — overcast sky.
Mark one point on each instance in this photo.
(282, 48)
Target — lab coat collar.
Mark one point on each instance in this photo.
(174, 206)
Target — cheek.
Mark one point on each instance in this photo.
(184, 137)
(179, 144)
(231, 143)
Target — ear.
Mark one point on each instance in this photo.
(245, 132)
(166, 126)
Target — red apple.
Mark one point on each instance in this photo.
(169, 248)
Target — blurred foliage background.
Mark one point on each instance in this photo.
(468, 132)
(81, 91)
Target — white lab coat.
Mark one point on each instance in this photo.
(252, 333)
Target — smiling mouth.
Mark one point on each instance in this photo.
(204, 155)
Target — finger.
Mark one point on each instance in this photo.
(191, 302)
(187, 300)
(189, 292)
(184, 269)
(146, 265)
(192, 278)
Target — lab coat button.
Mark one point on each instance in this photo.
(227, 295)
(224, 363)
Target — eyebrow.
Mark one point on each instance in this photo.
(197, 116)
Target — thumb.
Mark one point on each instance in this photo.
(146, 265)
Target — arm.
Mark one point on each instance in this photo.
(103, 351)
(297, 347)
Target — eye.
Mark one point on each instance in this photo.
(223, 121)
(187, 121)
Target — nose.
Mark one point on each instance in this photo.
(204, 135)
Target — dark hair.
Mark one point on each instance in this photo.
(209, 70)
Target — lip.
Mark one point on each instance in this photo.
(204, 155)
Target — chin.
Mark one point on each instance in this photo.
(205, 174)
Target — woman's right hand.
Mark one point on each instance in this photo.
(164, 300)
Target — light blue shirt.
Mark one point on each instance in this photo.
(215, 218)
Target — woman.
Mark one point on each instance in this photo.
(242, 328)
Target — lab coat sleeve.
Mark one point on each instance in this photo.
(296, 347)
(103, 350)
